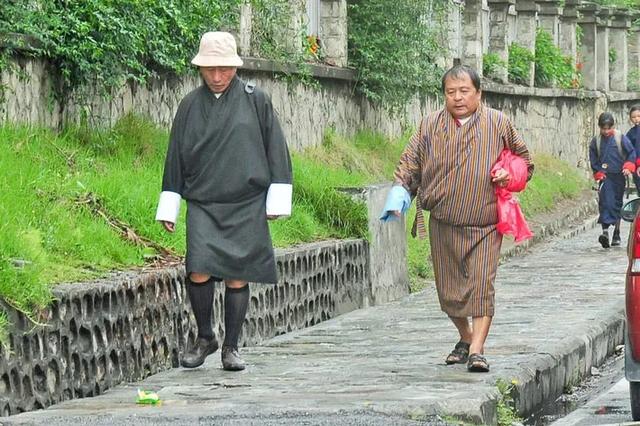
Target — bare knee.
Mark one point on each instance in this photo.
(235, 283)
(198, 278)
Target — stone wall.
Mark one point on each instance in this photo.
(555, 121)
(559, 122)
(388, 270)
(305, 112)
(134, 324)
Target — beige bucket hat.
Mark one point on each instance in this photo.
(217, 49)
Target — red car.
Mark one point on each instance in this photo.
(631, 213)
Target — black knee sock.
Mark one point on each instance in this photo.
(236, 301)
(201, 298)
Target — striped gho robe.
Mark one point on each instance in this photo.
(448, 167)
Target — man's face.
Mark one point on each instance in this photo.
(462, 98)
(218, 78)
(635, 117)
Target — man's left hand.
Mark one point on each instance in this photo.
(626, 172)
(501, 177)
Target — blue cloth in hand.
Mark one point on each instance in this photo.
(398, 199)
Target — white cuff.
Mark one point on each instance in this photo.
(279, 199)
(168, 206)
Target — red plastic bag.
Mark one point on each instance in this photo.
(511, 220)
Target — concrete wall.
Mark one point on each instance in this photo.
(134, 324)
(131, 325)
(554, 121)
(559, 122)
(388, 270)
(305, 112)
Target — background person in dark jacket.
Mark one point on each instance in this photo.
(229, 160)
(612, 158)
(634, 137)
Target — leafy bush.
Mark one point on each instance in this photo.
(520, 60)
(274, 36)
(395, 45)
(105, 43)
(492, 64)
(553, 69)
(633, 80)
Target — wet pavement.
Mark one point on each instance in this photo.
(385, 364)
(578, 396)
(610, 408)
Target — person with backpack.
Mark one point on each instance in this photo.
(634, 136)
(228, 159)
(612, 158)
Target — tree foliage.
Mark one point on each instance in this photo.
(395, 46)
(103, 43)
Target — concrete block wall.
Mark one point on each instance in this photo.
(134, 324)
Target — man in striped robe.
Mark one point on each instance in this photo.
(447, 167)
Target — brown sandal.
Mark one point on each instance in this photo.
(477, 364)
(459, 354)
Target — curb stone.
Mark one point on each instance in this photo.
(550, 374)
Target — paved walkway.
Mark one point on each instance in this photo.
(384, 365)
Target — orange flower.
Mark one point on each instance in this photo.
(313, 46)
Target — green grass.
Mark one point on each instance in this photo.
(507, 414)
(553, 181)
(321, 212)
(50, 235)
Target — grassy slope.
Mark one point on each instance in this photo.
(51, 232)
(47, 176)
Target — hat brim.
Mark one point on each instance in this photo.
(216, 61)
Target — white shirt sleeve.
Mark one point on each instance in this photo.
(279, 199)
(168, 206)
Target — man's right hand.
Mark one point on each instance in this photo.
(169, 226)
(396, 213)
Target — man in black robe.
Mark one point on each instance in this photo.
(229, 160)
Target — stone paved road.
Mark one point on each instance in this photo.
(384, 365)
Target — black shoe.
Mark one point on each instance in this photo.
(200, 350)
(615, 241)
(604, 239)
(231, 360)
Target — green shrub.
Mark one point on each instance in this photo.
(553, 69)
(101, 44)
(520, 60)
(394, 46)
(492, 64)
(633, 80)
(506, 407)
